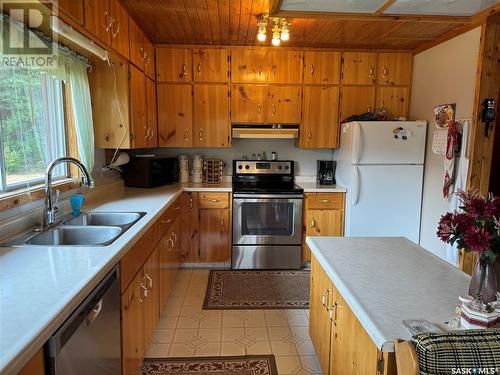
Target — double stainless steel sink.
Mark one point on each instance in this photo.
(87, 229)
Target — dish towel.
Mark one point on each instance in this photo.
(449, 159)
(452, 253)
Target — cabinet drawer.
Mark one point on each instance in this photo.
(169, 216)
(213, 200)
(133, 261)
(325, 201)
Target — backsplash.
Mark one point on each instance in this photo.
(285, 149)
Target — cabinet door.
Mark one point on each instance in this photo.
(165, 268)
(319, 320)
(138, 119)
(175, 260)
(149, 59)
(136, 39)
(215, 239)
(35, 366)
(358, 68)
(133, 337)
(248, 103)
(189, 227)
(211, 115)
(324, 223)
(394, 68)
(152, 117)
(356, 100)
(98, 19)
(74, 9)
(320, 124)
(321, 67)
(248, 65)
(284, 104)
(211, 64)
(395, 100)
(174, 65)
(119, 28)
(175, 115)
(150, 281)
(285, 66)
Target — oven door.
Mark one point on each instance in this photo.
(267, 219)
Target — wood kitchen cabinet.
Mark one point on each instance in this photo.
(320, 126)
(248, 104)
(98, 19)
(215, 227)
(394, 68)
(248, 65)
(359, 68)
(175, 115)
(321, 68)
(151, 281)
(211, 64)
(356, 100)
(189, 227)
(142, 52)
(151, 114)
(119, 31)
(284, 104)
(284, 66)
(74, 9)
(211, 115)
(395, 100)
(139, 129)
(174, 65)
(323, 216)
(35, 366)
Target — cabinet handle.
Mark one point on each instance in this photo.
(152, 134)
(274, 69)
(186, 135)
(175, 237)
(183, 71)
(324, 298)
(260, 70)
(117, 30)
(110, 20)
(198, 68)
(146, 137)
(214, 200)
(274, 109)
(166, 221)
(259, 110)
(201, 134)
(143, 54)
(148, 61)
(177, 208)
(370, 71)
(385, 71)
(222, 225)
(172, 244)
(150, 280)
(312, 70)
(190, 203)
(325, 200)
(313, 224)
(309, 135)
(144, 291)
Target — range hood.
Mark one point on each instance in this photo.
(274, 131)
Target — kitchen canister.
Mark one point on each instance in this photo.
(184, 168)
(197, 162)
(197, 175)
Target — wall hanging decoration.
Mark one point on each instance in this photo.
(444, 114)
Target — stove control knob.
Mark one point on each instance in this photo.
(247, 166)
(287, 167)
(240, 166)
(280, 167)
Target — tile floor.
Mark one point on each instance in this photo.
(186, 330)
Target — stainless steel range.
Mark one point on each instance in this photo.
(267, 215)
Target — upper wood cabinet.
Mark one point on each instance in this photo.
(359, 68)
(73, 9)
(211, 115)
(395, 100)
(140, 132)
(284, 104)
(248, 104)
(174, 65)
(321, 67)
(394, 68)
(248, 65)
(119, 28)
(320, 118)
(285, 66)
(35, 366)
(175, 114)
(151, 113)
(149, 59)
(136, 37)
(98, 19)
(211, 65)
(356, 100)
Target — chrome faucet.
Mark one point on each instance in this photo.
(50, 209)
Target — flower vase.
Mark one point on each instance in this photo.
(483, 284)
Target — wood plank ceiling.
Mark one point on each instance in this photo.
(234, 22)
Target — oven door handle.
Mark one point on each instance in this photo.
(268, 196)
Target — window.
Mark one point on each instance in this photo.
(32, 131)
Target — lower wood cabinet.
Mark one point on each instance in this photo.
(323, 216)
(169, 259)
(340, 341)
(189, 227)
(35, 366)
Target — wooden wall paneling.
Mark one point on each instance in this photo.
(321, 67)
(284, 105)
(174, 64)
(120, 29)
(248, 104)
(359, 68)
(356, 100)
(394, 68)
(211, 64)
(395, 100)
(285, 66)
(175, 115)
(211, 115)
(249, 65)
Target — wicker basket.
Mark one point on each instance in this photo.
(213, 171)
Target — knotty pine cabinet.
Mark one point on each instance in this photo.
(321, 68)
(284, 66)
(151, 114)
(189, 227)
(119, 31)
(175, 114)
(140, 132)
(248, 103)
(249, 65)
(211, 65)
(394, 68)
(355, 100)
(35, 366)
(323, 216)
(284, 104)
(359, 68)
(98, 19)
(174, 64)
(320, 126)
(74, 9)
(395, 100)
(142, 51)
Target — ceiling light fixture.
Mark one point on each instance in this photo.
(285, 32)
(280, 30)
(276, 32)
(262, 29)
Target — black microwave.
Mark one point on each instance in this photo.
(150, 172)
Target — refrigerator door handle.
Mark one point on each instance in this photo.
(356, 142)
(355, 185)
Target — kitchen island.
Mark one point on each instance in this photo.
(362, 289)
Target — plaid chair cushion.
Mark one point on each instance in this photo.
(458, 352)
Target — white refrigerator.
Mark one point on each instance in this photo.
(382, 166)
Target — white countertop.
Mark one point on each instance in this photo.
(387, 280)
(313, 187)
(41, 286)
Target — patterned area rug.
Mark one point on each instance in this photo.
(248, 365)
(257, 290)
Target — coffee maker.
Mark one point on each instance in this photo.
(326, 172)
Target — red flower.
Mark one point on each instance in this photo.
(462, 221)
(477, 239)
(445, 228)
(492, 207)
(475, 207)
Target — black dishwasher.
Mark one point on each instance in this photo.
(89, 341)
